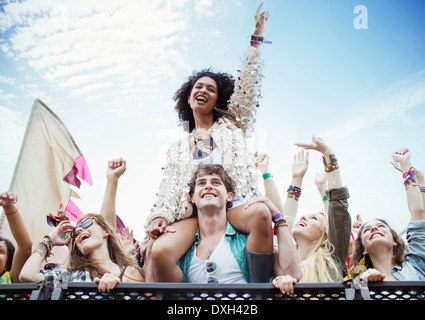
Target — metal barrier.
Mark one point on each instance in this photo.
(184, 291)
(302, 291)
(23, 291)
(398, 290)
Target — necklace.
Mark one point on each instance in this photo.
(200, 143)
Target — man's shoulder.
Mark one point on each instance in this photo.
(232, 232)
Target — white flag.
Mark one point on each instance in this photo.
(48, 163)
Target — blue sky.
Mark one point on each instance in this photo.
(109, 69)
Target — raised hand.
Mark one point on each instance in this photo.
(261, 161)
(402, 159)
(316, 144)
(260, 21)
(127, 240)
(61, 215)
(357, 223)
(8, 199)
(61, 233)
(300, 164)
(116, 168)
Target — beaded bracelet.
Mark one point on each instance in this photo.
(422, 188)
(332, 165)
(293, 192)
(295, 188)
(411, 174)
(410, 183)
(48, 243)
(409, 178)
(291, 195)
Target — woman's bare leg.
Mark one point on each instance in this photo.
(169, 248)
(256, 220)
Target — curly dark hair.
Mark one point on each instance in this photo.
(225, 86)
(398, 250)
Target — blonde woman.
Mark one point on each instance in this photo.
(322, 240)
(315, 250)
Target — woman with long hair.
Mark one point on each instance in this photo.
(379, 248)
(322, 239)
(96, 254)
(315, 250)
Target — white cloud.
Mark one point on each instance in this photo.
(392, 102)
(117, 57)
(6, 98)
(7, 80)
(92, 87)
(12, 128)
(204, 8)
(4, 47)
(76, 43)
(77, 47)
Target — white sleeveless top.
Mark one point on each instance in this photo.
(227, 271)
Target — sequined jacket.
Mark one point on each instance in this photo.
(230, 135)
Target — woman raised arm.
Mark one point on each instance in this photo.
(11, 259)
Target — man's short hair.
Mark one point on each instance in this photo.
(217, 169)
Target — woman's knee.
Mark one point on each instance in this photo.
(162, 250)
(259, 214)
(170, 247)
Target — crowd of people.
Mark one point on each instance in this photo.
(211, 224)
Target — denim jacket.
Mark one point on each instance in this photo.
(413, 268)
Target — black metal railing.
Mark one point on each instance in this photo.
(351, 290)
(23, 291)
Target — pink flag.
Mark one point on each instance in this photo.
(81, 170)
(72, 211)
